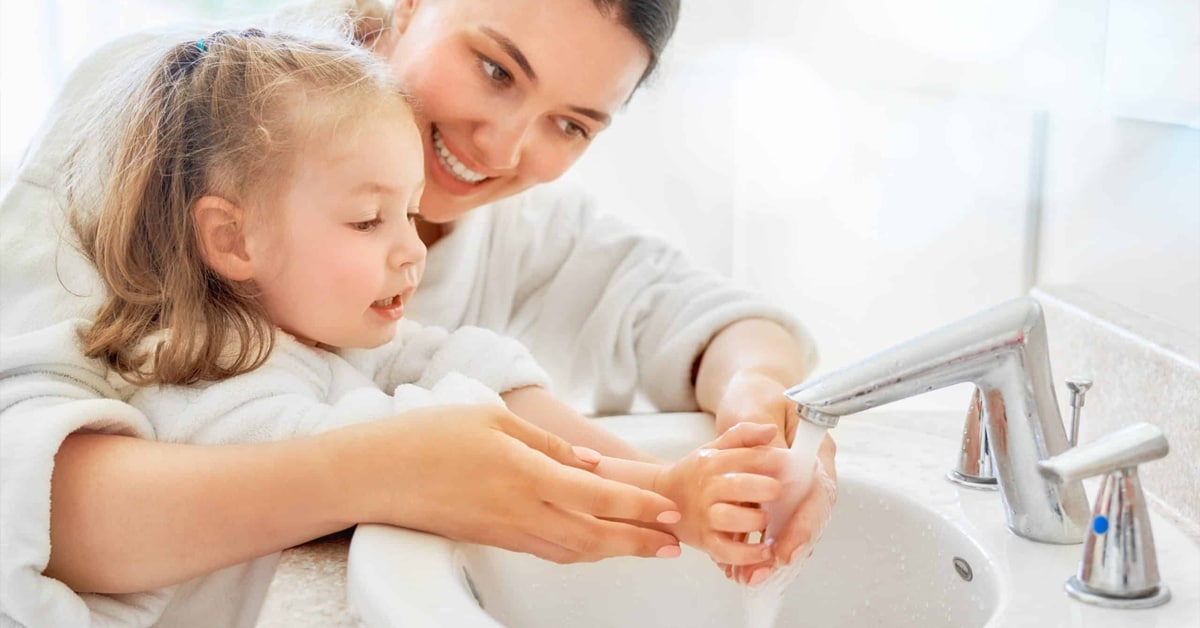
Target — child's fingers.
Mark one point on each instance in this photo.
(744, 487)
(725, 550)
(762, 460)
(727, 517)
(746, 435)
(742, 573)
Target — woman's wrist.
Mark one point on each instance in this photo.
(361, 467)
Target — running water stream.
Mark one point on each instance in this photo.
(762, 601)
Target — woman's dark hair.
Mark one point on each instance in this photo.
(651, 21)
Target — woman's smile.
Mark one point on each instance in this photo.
(452, 163)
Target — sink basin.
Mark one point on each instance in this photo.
(904, 548)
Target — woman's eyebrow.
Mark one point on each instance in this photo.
(510, 47)
(598, 116)
(513, 51)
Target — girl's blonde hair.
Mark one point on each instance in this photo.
(225, 115)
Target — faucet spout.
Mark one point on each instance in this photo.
(1004, 352)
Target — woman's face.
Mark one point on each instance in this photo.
(509, 94)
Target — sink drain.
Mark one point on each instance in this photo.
(963, 568)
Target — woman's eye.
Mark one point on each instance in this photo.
(494, 72)
(572, 129)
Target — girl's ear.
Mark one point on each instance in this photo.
(402, 13)
(220, 227)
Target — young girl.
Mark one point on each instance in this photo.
(258, 244)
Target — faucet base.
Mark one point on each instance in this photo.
(1076, 589)
(972, 481)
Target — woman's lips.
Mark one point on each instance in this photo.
(448, 172)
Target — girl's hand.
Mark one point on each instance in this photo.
(487, 476)
(711, 485)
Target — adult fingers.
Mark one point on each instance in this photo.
(808, 523)
(727, 517)
(580, 491)
(592, 539)
(547, 443)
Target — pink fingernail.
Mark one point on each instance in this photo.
(668, 551)
(669, 516)
(590, 456)
(759, 575)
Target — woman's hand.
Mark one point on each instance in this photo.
(486, 476)
(804, 528)
(757, 397)
(754, 397)
(712, 485)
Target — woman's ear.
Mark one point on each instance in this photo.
(220, 227)
(402, 13)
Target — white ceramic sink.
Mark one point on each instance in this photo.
(888, 559)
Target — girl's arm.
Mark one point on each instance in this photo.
(130, 515)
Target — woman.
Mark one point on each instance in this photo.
(510, 95)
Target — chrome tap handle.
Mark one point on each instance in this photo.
(1078, 387)
(1122, 449)
(1119, 568)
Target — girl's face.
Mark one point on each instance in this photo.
(509, 93)
(339, 256)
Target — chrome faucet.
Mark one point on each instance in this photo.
(1003, 351)
(1119, 567)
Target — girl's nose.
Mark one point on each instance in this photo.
(501, 141)
(407, 255)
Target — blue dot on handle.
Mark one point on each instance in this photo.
(1100, 524)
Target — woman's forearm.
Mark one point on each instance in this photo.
(752, 345)
(130, 515)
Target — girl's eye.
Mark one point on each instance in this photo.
(366, 225)
(572, 129)
(494, 72)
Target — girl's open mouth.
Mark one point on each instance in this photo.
(391, 308)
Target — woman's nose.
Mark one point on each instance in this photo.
(501, 141)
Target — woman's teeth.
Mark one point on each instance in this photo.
(391, 301)
(460, 172)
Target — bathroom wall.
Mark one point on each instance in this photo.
(883, 167)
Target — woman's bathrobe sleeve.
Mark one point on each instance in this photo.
(607, 311)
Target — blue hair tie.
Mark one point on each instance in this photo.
(200, 45)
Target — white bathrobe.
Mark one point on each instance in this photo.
(607, 311)
(298, 391)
